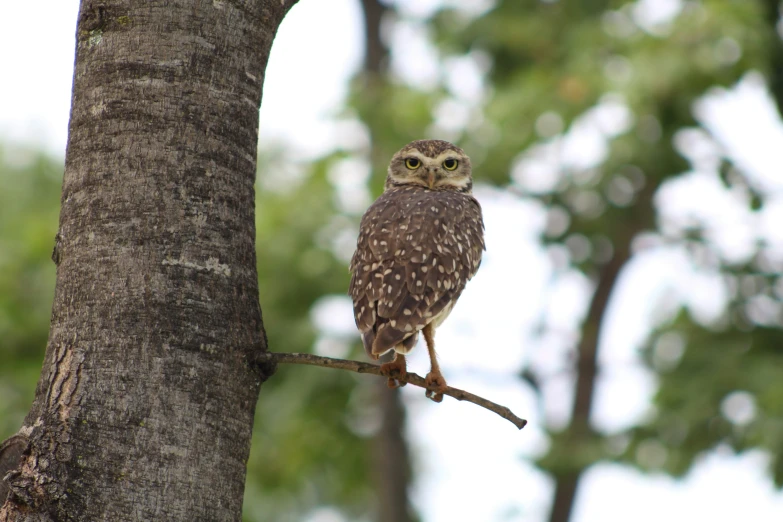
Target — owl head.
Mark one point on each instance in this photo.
(431, 164)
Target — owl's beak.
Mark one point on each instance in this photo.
(431, 178)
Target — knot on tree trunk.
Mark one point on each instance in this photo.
(11, 451)
(263, 363)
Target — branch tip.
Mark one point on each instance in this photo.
(412, 378)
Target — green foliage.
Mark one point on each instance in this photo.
(394, 113)
(563, 60)
(306, 452)
(565, 57)
(29, 209)
(724, 391)
(557, 58)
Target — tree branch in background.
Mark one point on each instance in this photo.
(775, 72)
(391, 467)
(566, 484)
(376, 53)
(580, 432)
(412, 378)
(391, 458)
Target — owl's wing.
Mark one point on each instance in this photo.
(416, 251)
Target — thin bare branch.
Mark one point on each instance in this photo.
(414, 379)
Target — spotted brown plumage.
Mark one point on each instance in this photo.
(419, 243)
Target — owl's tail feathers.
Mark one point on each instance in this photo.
(407, 344)
(387, 338)
(368, 338)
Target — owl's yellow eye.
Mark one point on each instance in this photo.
(412, 163)
(450, 164)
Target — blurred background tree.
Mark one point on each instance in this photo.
(597, 115)
(29, 209)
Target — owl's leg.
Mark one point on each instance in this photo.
(435, 382)
(396, 371)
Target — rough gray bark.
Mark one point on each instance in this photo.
(144, 408)
(11, 452)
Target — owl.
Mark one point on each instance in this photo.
(419, 243)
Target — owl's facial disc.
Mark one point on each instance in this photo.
(447, 169)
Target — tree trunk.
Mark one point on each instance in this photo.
(144, 408)
(392, 459)
(641, 217)
(772, 9)
(391, 471)
(566, 484)
(376, 54)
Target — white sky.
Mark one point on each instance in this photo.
(464, 452)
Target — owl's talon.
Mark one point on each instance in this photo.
(396, 371)
(436, 386)
(436, 382)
